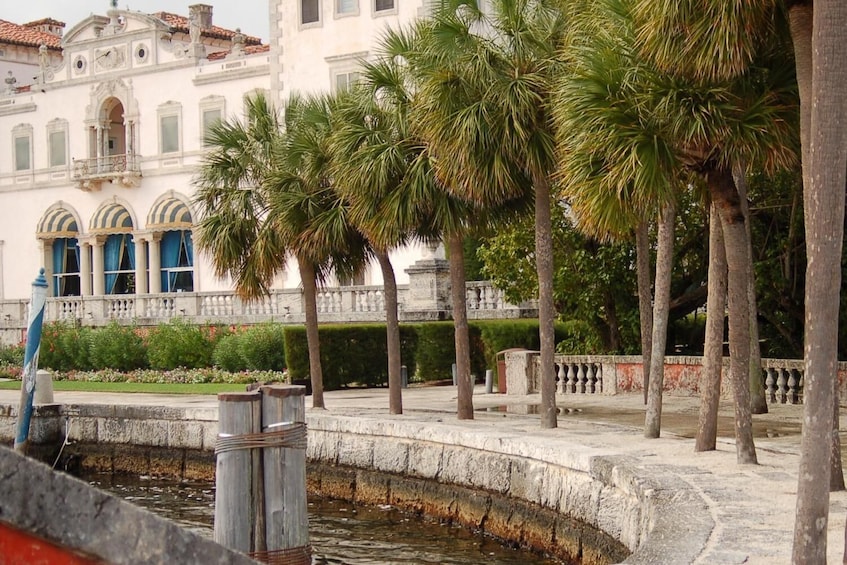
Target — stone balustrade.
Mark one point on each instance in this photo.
(612, 374)
(335, 305)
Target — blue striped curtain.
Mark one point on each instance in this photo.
(170, 257)
(59, 250)
(189, 247)
(112, 254)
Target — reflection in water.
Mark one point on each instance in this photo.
(341, 533)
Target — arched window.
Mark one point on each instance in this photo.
(59, 227)
(172, 217)
(114, 221)
(177, 261)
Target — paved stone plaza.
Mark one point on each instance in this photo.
(707, 509)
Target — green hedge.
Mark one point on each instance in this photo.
(350, 354)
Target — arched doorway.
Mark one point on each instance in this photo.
(108, 138)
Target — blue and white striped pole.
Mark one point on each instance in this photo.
(33, 342)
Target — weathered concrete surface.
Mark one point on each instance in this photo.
(691, 507)
(72, 514)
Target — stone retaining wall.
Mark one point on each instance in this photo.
(651, 512)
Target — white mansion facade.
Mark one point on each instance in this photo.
(101, 133)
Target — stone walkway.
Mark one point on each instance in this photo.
(751, 506)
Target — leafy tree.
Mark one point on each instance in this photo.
(593, 281)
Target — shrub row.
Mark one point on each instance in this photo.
(175, 345)
(350, 353)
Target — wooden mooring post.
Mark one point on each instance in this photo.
(237, 492)
(270, 521)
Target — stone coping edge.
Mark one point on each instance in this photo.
(648, 507)
(659, 516)
(74, 515)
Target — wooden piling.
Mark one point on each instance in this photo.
(287, 522)
(237, 492)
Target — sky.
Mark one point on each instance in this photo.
(249, 15)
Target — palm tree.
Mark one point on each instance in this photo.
(374, 157)
(263, 192)
(483, 110)
(385, 172)
(688, 125)
(824, 166)
(814, 28)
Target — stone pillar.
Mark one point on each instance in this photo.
(99, 282)
(429, 289)
(130, 145)
(2, 291)
(98, 147)
(84, 268)
(140, 264)
(47, 263)
(155, 264)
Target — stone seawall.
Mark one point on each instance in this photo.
(467, 473)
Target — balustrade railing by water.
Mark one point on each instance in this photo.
(783, 379)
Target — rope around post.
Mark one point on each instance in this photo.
(290, 556)
(290, 435)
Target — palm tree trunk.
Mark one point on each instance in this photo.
(460, 323)
(645, 302)
(392, 330)
(823, 200)
(758, 402)
(661, 308)
(726, 198)
(310, 302)
(710, 382)
(546, 308)
(800, 17)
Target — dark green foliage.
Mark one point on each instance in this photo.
(350, 354)
(180, 344)
(436, 351)
(262, 347)
(227, 354)
(506, 334)
(65, 347)
(117, 347)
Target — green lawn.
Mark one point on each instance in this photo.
(154, 388)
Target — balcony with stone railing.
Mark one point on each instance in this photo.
(90, 174)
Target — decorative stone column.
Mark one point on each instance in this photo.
(2, 291)
(84, 268)
(140, 262)
(155, 263)
(47, 263)
(429, 288)
(98, 267)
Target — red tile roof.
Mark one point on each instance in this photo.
(15, 34)
(215, 32)
(249, 50)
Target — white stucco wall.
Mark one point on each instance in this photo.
(162, 76)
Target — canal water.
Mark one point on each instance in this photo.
(341, 533)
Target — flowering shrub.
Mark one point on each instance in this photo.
(176, 376)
